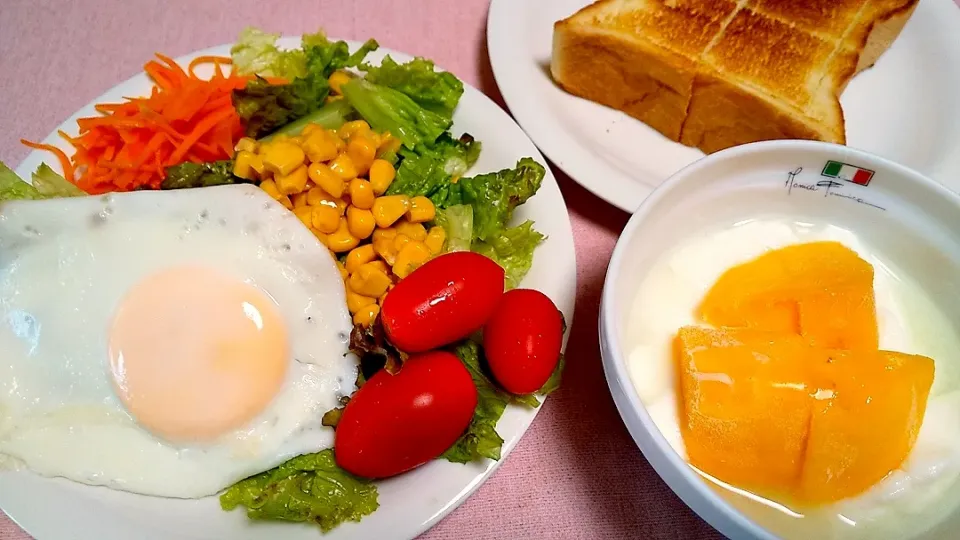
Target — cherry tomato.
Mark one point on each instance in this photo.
(443, 301)
(394, 423)
(522, 340)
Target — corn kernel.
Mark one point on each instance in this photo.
(331, 99)
(317, 196)
(400, 241)
(246, 144)
(436, 236)
(387, 210)
(383, 244)
(362, 152)
(359, 256)
(338, 79)
(294, 182)
(415, 231)
(325, 219)
(282, 157)
(388, 144)
(320, 146)
(421, 209)
(326, 179)
(285, 201)
(310, 129)
(381, 175)
(410, 258)
(355, 126)
(366, 315)
(360, 222)
(242, 165)
(256, 163)
(369, 281)
(299, 199)
(304, 214)
(379, 265)
(361, 193)
(356, 302)
(341, 240)
(344, 167)
(386, 233)
(343, 271)
(270, 187)
(322, 237)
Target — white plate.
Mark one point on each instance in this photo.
(904, 109)
(55, 509)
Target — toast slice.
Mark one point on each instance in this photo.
(719, 73)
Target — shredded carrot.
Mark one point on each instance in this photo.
(62, 157)
(131, 144)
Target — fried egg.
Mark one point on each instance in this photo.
(166, 343)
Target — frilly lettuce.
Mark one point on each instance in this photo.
(481, 439)
(389, 110)
(265, 107)
(46, 185)
(429, 168)
(512, 249)
(195, 175)
(306, 488)
(437, 91)
(256, 53)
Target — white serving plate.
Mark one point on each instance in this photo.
(55, 509)
(904, 108)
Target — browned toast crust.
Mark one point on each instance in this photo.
(719, 73)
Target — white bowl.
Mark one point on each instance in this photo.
(910, 220)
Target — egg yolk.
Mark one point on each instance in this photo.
(195, 353)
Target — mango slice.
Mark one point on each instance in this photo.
(865, 420)
(820, 290)
(775, 414)
(746, 407)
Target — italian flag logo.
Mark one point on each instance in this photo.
(845, 171)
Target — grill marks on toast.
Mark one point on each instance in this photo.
(742, 70)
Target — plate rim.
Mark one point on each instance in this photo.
(34, 157)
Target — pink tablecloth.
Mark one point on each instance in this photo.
(576, 473)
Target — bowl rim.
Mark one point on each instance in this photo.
(687, 484)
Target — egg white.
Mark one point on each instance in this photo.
(65, 264)
(911, 499)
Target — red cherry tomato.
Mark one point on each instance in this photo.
(394, 423)
(443, 301)
(522, 340)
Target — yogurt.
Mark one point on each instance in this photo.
(909, 500)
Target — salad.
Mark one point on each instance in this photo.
(364, 156)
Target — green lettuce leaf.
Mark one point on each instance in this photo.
(386, 109)
(481, 439)
(429, 168)
(306, 488)
(457, 223)
(437, 91)
(264, 107)
(46, 185)
(50, 184)
(513, 250)
(331, 116)
(495, 195)
(195, 175)
(256, 53)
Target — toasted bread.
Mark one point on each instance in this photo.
(718, 73)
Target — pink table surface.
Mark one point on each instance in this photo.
(576, 473)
